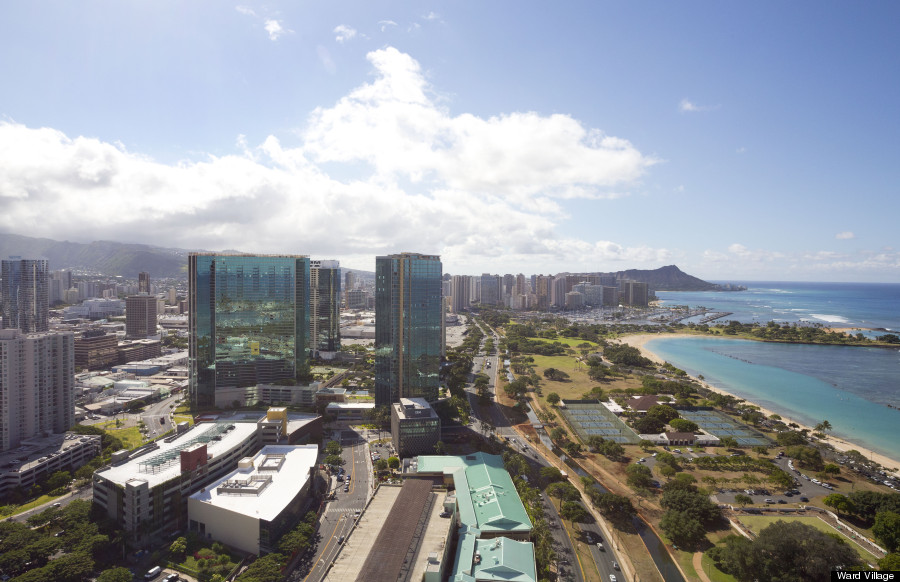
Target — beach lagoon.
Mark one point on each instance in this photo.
(851, 387)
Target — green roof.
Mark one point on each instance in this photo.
(486, 495)
(505, 559)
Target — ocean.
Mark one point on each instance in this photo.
(867, 305)
(851, 387)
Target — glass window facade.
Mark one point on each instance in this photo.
(25, 294)
(325, 306)
(249, 320)
(407, 327)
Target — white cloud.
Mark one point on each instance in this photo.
(846, 235)
(274, 28)
(326, 60)
(384, 24)
(687, 106)
(741, 150)
(432, 16)
(382, 170)
(245, 10)
(344, 33)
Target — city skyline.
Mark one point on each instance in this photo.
(749, 143)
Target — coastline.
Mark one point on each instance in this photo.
(639, 341)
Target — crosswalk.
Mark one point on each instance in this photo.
(333, 510)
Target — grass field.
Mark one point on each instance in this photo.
(758, 522)
(130, 437)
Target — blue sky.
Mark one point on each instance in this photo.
(740, 141)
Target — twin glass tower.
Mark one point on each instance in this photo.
(250, 322)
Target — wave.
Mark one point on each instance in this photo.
(830, 318)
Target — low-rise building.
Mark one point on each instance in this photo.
(39, 457)
(349, 410)
(494, 528)
(253, 506)
(415, 427)
(145, 491)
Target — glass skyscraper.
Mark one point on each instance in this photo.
(325, 308)
(25, 294)
(408, 322)
(249, 321)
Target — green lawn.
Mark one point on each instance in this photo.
(714, 573)
(130, 437)
(572, 342)
(758, 522)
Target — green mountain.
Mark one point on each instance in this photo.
(104, 257)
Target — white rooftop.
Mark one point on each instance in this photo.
(263, 489)
(142, 466)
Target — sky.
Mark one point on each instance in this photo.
(739, 141)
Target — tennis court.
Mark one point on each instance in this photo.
(718, 424)
(590, 418)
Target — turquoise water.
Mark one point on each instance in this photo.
(868, 305)
(850, 387)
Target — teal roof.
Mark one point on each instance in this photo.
(485, 493)
(505, 559)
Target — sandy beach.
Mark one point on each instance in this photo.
(640, 340)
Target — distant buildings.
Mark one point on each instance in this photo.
(37, 373)
(140, 316)
(249, 322)
(408, 327)
(144, 282)
(324, 308)
(25, 294)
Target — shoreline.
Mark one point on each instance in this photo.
(639, 341)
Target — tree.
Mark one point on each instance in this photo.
(265, 569)
(616, 508)
(381, 465)
(564, 491)
(551, 474)
(572, 448)
(117, 574)
(663, 412)
(743, 500)
(887, 529)
(58, 479)
(639, 476)
(393, 462)
(682, 528)
(553, 399)
(558, 435)
(785, 551)
(682, 425)
(831, 469)
(439, 448)
(649, 425)
(889, 562)
(333, 448)
(178, 548)
(728, 442)
(334, 460)
(839, 503)
(574, 511)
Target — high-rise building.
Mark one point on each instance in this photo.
(558, 290)
(249, 322)
(140, 316)
(408, 321)
(144, 282)
(636, 293)
(357, 299)
(460, 293)
(490, 289)
(60, 282)
(37, 372)
(25, 294)
(325, 308)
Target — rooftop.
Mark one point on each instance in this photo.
(161, 463)
(264, 485)
(486, 495)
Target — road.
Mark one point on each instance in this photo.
(158, 416)
(339, 516)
